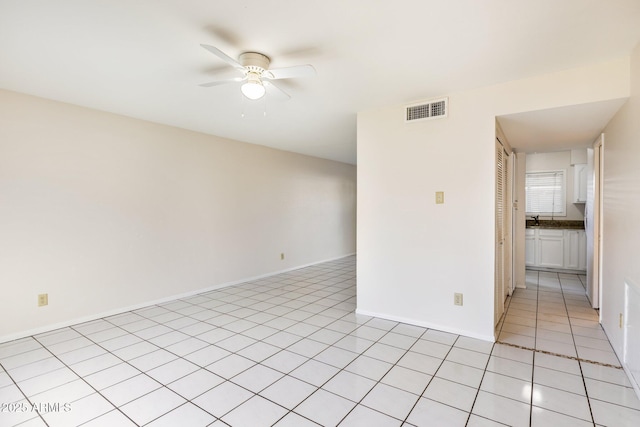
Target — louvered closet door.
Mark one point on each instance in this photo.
(499, 242)
(507, 226)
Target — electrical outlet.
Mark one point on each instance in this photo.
(282, 255)
(439, 197)
(43, 299)
(457, 299)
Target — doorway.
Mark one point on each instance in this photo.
(503, 239)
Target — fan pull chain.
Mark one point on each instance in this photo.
(241, 105)
(264, 114)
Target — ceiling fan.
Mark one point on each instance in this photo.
(253, 69)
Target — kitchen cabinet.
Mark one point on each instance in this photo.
(564, 249)
(575, 249)
(530, 247)
(551, 248)
(580, 177)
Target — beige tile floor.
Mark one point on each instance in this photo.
(575, 370)
(290, 351)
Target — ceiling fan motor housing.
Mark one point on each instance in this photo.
(254, 61)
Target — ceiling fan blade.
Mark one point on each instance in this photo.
(222, 82)
(276, 89)
(290, 72)
(226, 58)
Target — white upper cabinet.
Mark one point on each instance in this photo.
(580, 176)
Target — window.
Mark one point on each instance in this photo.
(546, 193)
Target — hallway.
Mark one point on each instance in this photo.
(567, 356)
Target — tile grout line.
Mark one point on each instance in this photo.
(563, 356)
(539, 351)
(132, 333)
(502, 320)
(120, 326)
(566, 304)
(534, 350)
(281, 349)
(127, 362)
(431, 379)
(86, 382)
(25, 396)
(475, 398)
(329, 379)
(379, 380)
(315, 296)
(533, 355)
(361, 354)
(504, 315)
(584, 383)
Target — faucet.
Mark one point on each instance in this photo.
(536, 219)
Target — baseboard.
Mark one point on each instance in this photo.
(621, 359)
(631, 337)
(75, 321)
(428, 325)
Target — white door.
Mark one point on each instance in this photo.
(508, 226)
(592, 220)
(501, 251)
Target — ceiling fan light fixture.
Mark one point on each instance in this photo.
(253, 87)
(255, 71)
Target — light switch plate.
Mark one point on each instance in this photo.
(439, 197)
(457, 299)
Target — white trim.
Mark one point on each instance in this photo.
(428, 325)
(66, 323)
(630, 286)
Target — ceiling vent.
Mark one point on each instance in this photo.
(434, 109)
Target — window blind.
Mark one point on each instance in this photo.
(545, 192)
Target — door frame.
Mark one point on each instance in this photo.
(594, 219)
(504, 249)
(600, 216)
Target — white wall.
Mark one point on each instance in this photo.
(621, 234)
(559, 160)
(104, 212)
(413, 254)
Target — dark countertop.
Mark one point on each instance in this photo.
(557, 224)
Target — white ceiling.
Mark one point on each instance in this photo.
(557, 129)
(142, 58)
